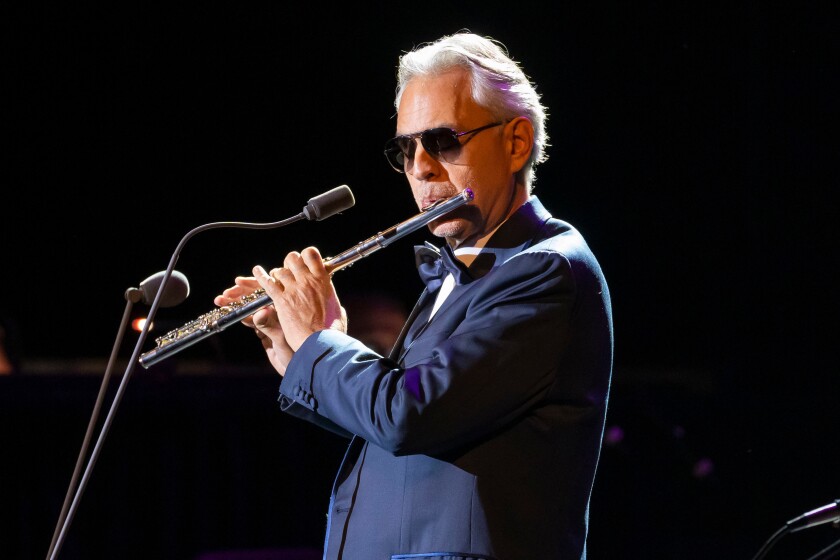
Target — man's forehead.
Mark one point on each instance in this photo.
(440, 101)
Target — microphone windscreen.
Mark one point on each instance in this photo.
(330, 203)
(177, 288)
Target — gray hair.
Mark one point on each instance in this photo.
(497, 83)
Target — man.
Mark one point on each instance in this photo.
(479, 436)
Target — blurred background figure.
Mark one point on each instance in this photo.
(9, 345)
(375, 318)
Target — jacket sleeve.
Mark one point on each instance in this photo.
(463, 378)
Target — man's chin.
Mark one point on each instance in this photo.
(450, 229)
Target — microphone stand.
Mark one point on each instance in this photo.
(92, 423)
(828, 552)
(768, 544)
(67, 513)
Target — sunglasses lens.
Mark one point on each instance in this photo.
(396, 152)
(439, 141)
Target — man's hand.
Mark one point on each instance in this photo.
(303, 302)
(264, 322)
(304, 297)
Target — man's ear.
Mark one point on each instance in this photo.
(522, 142)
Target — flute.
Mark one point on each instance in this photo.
(219, 319)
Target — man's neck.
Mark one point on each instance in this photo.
(468, 251)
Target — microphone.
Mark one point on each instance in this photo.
(829, 513)
(176, 290)
(329, 203)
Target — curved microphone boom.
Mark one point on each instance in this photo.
(317, 208)
(221, 318)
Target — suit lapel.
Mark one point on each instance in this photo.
(416, 321)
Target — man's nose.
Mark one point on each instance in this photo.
(423, 164)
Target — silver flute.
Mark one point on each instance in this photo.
(219, 319)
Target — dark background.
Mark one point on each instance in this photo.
(694, 145)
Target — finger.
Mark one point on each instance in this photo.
(294, 264)
(264, 321)
(266, 281)
(311, 257)
(282, 275)
(235, 292)
(243, 285)
(267, 326)
(222, 300)
(246, 282)
(229, 295)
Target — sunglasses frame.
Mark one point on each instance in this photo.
(430, 138)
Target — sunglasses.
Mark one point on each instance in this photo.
(440, 143)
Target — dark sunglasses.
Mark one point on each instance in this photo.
(440, 143)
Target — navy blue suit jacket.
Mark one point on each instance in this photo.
(479, 437)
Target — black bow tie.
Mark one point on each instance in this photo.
(434, 264)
